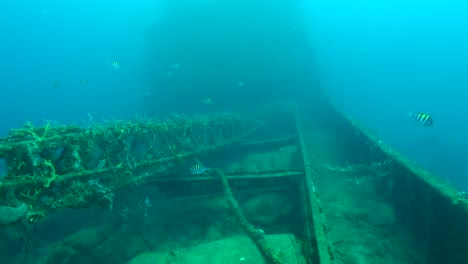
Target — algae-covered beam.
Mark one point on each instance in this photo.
(318, 246)
(257, 235)
(68, 166)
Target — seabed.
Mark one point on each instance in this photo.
(283, 185)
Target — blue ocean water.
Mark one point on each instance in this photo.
(93, 60)
(380, 60)
(45, 43)
(377, 61)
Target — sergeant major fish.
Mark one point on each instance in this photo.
(422, 118)
(197, 169)
(115, 64)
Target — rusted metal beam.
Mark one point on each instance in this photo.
(232, 176)
(319, 249)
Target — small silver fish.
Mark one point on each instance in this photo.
(147, 202)
(207, 101)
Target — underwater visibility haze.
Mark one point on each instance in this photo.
(57, 59)
(177, 127)
(381, 60)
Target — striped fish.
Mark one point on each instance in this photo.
(115, 64)
(197, 169)
(423, 118)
